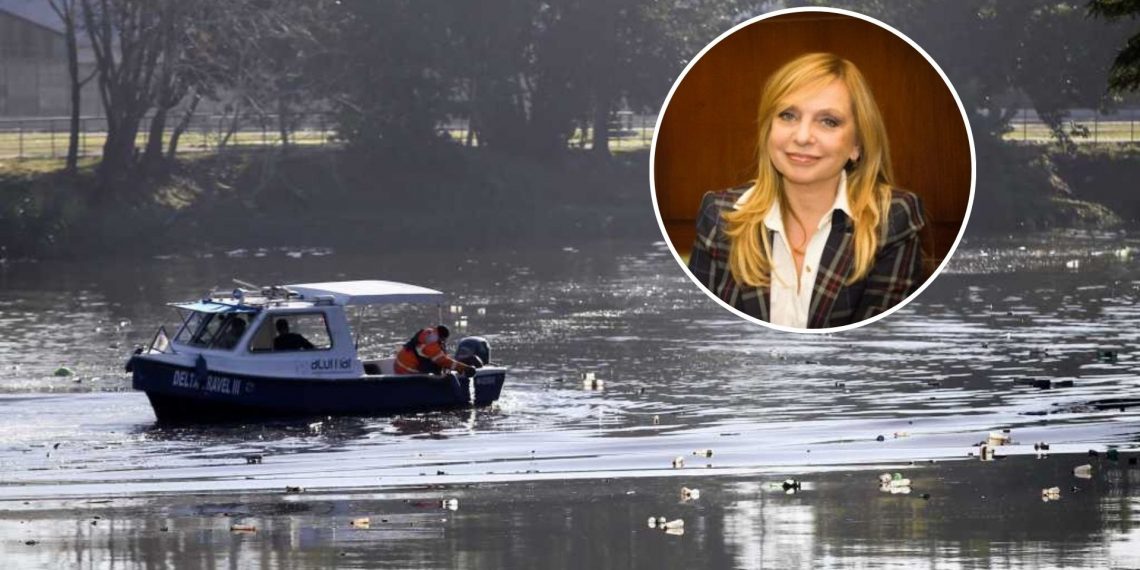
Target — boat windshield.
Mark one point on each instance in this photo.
(213, 330)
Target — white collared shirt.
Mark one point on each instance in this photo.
(789, 305)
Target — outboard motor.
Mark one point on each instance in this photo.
(473, 351)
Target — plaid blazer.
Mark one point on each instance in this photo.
(895, 273)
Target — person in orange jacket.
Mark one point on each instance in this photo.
(424, 353)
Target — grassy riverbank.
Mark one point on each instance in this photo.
(468, 197)
(324, 197)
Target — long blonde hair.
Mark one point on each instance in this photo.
(868, 183)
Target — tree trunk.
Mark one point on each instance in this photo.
(283, 123)
(152, 158)
(181, 127)
(601, 126)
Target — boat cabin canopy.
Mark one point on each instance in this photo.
(371, 292)
(223, 319)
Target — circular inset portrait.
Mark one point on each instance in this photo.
(812, 169)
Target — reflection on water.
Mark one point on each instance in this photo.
(971, 356)
(960, 514)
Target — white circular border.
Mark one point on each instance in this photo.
(653, 160)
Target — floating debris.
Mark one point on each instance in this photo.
(895, 484)
(881, 438)
(675, 527)
(703, 453)
(1109, 355)
(998, 438)
(688, 494)
(899, 434)
(450, 504)
(1042, 449)
(678, 462)
(243, 528)
(790, 486)
(456, 309)
(294, 490)
(590, 381)
(362, 522)
(252, 459)
(656, 419)
(1073, 264)
(1051, 494)
(1083, 471)
(987, 453)
(62, 371)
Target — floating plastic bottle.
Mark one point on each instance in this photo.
(678, 462)
(703, 453)
(688, 494)
(362, 522)
(1083, 471)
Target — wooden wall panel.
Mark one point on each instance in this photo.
(708, 135)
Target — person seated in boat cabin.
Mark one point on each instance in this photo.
(231, 333)
(286, 340)
(426, 353)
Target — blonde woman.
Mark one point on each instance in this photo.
(821, 238)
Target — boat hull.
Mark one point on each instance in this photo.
(180, 394)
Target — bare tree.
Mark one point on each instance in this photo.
(66, 10)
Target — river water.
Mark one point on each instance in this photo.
(920, 387)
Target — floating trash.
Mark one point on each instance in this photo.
(688, 494)
(998, 438)
(986, 453)
(790, 486)
(252, 459)
(294, 490)
(481, 311)
(62, 371)
(1083, 471)
(1041, 449)
(450, 504)
(899, 434)
(678, 462)
(703, 453)
(456, 309)
(1051, 494)
(1109, 355)
(1073, 264)
(885, 479)
(656, 419)
(590, 381)
(675, 527)
(362, 522)
(243, 528)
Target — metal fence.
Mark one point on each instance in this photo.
(1084, 126)
(48, 137)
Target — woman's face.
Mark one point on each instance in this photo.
(813, 135)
